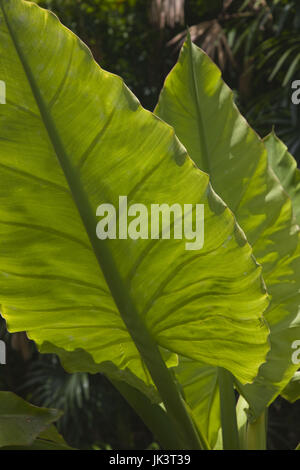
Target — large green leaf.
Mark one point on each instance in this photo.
(20, 422)
(200, 107)
(73, 137)
(285, 168)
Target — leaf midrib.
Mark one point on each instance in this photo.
(201, 129)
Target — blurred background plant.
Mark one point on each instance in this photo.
(256, 44)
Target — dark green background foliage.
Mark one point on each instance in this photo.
(257, 46)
